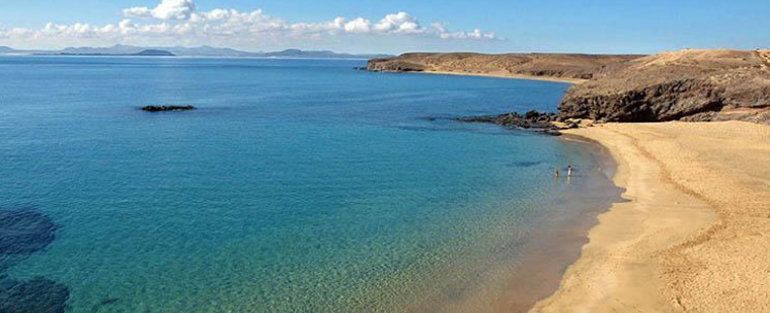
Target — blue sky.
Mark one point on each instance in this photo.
(600, 26)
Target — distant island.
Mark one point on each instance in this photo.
(201, 51)
(148, 53)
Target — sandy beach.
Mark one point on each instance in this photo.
(504, 74)
(695, 233)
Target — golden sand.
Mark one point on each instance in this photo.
(503, 74)
(695, 235)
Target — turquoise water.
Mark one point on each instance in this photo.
(297, 186)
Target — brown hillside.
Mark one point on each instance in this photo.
(688, 84)
(566, 66)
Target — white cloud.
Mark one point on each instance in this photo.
(400, 22)
(359, 25)
(166, 10)
(178, 21)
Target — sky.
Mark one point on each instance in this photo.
(394, 26)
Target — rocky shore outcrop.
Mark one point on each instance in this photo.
(690, 85)
(549, 123)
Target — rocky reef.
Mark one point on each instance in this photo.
(690, 85)
(36, 295)
(549, 123)
(167, 108)
(24, 231)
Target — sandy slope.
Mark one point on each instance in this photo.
(695, 236)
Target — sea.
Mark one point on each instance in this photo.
(295, 186)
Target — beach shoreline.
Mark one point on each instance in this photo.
(572, 81)
(541, 261)
(691, 235)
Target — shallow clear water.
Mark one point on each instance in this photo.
(297, 186)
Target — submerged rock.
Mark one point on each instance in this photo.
(108, 301)
(526, 163)
(24, 231)
(166, 108)
(36, 295)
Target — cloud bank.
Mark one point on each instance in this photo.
(179, 21)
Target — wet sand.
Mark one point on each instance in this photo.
(513, 284)
(695, 234)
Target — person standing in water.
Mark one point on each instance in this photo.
(569, 170)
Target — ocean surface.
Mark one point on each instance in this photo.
(297, 186)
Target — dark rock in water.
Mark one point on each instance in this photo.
(36, 295)
(24, 231)
(530, 120)
(166, 108)
(526, 163)
(108, 301)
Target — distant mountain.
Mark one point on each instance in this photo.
(296, 53)
(155, 53)
(202, 51)
(116, 50)
(146, 53)
(207, 51)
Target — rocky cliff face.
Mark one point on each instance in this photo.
(394, 65)
(693, 85)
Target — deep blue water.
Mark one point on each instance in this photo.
(297, 186)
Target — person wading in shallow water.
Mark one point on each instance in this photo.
(569, 170)
(556, 174)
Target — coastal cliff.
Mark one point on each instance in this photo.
(689, 85)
